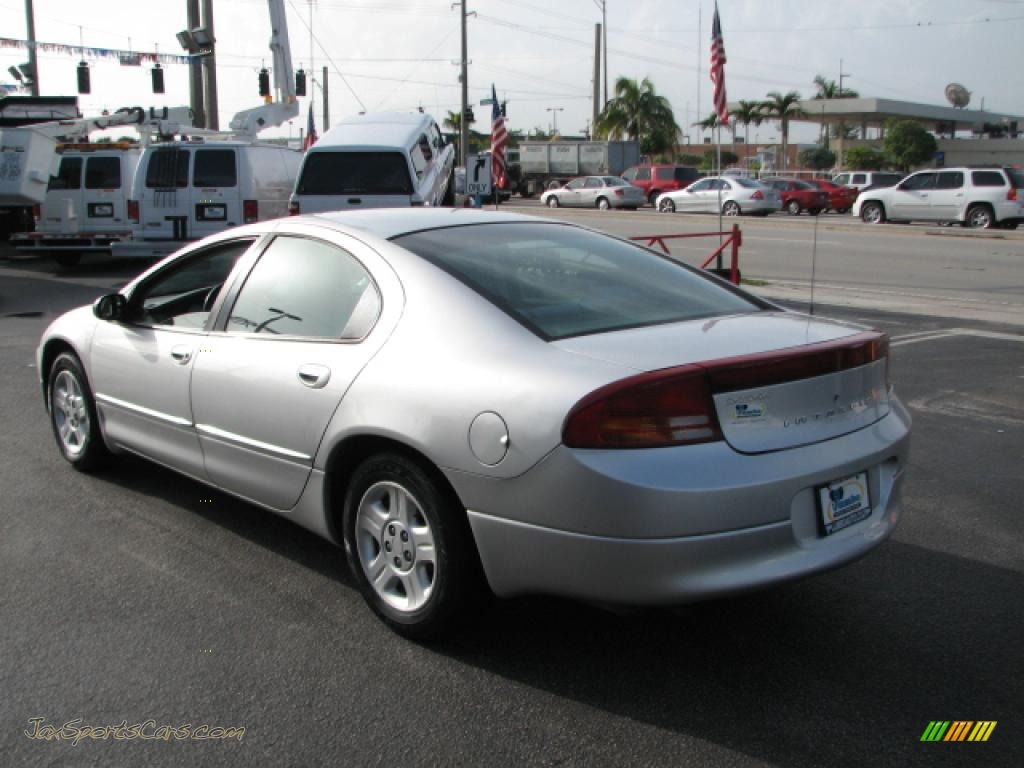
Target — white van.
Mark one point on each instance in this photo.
(85, 209)
(382, 160)
(189, 189)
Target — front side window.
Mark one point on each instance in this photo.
(183, 294)
(701, 185)
(215, 168)
(949, 180)
(69, 175)
(630, 174)
(560, 281)
(309, 288)
(168, 169)
(103, 173)
(355, 173)
(593, 182)
(919, 181)
(643, 174)
(576, 184)
(842, 179)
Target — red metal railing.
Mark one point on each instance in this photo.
(733, 239)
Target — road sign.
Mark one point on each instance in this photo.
(478, 175)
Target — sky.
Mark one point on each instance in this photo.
(404, 54)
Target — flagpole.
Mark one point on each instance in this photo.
(718, 143)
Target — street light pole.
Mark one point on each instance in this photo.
(554, 117)
(463, 124)
(33, 63)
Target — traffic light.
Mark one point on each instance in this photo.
(157, 73)
(470, 117)
(83, 78)
(300, 83)
(264, 83)
(503, 112)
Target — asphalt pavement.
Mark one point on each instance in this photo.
(137, 595)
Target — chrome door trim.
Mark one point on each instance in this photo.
(176, 420)
(250, 443)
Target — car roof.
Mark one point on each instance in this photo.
(387, 223)
(378, 129)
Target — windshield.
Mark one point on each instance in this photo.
(355, 173)
(561, 281)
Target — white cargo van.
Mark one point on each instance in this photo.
(85, 208)
(189, 189)
(379, 160)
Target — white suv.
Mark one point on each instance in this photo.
(974, 197)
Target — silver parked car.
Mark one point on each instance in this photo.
(462, 397)
(732, 194)
(602, 192)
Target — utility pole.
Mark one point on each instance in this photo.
(604, 31)
(195, 71)
(841, 76)
(597, 73)
(327, 111)
(210, 70)
(464, 77)
(33, 63)
(700, 131)
(554, 116)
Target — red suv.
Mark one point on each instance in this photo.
(798, 195)
(655, 179)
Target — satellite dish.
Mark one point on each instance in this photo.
(957, 95)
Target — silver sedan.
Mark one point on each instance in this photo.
(731, 194)
(468, 399)
(602, 192)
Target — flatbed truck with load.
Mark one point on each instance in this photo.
(546, 164)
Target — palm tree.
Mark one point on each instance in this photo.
(639, 113)
(829, 89)
(783, 107)
(747, 113)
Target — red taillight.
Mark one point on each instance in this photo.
(619, 193)
(1012, 194)
(37, 212)
(758, 195)
(652, 410)
(250, 211)
(674, 406)
(133, 210)
(293, 208)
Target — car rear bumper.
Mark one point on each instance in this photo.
(730, 523)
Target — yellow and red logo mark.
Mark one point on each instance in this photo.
(958, 730)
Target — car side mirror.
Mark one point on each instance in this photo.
(110, 307)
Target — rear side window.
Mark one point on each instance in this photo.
(69, 176)
(987, 179)
(663, 174)
(561, 281)
(355, 173)
(303, 287)
(167, 169)
(215, 168)
(859, 178)
(103, 173)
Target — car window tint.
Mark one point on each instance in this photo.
(630, 174)
(859, 178)
(167, 169)
(355, 173)
(700, 186)
(949, 180)
(614, 181)
(1017, 178)
(841, 179)
(303, 287)
(664, 173)
(987, 179)
(593, 182)
(214, 168)
(685, 174)
(183, 294)
(561, 281)
(69, 175)
(803, 185)
(919, 181)
(103, 173)
(886, 179)
(576, 184)
(643, 174)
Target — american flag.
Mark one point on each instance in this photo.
(311, 136)
(499, 138)
(718, 68)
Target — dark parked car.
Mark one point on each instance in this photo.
(655, 179)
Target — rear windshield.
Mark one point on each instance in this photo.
(214, 168)
(355, 173)
(803, 185)
(167, 169)
(103, 173)
(748, 183)
(561, 281)
(1017, 178)
(69, 175)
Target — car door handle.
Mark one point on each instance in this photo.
(181, 354)
(314, 376)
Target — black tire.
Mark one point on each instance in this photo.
(73, 417)
(448, 199)
(67, 259)
(842, 210)
(793, 208)
(652, 197)
(730, 208)
(1009, 225)
(603, 204)
(430, 511)
(666, 205)
(980, 217)
(872, 213)
(814, 211)
(553, 201)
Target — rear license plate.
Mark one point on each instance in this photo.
(844, 503)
